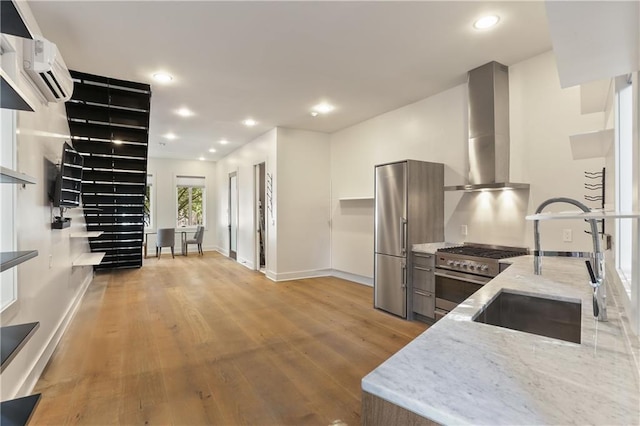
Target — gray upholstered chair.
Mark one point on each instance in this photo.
(197, 239)
(166, 237)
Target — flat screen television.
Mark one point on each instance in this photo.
(68, 183)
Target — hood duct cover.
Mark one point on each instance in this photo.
(488, 88)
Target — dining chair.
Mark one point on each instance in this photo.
(166, 237)
(197, 239)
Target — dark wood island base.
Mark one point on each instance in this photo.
(379, 412)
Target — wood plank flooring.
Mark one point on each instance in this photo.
(203, 340)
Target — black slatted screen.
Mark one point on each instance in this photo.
(109, 123)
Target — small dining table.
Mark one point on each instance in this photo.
(183, 239)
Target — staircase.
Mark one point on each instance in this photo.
(109, 124)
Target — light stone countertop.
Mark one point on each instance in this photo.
(430, 248)
(463, 372)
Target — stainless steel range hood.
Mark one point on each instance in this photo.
(488, 88)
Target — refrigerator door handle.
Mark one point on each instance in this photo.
(404, 275)
(403, 236)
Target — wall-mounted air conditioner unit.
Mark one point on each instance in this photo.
(45, 66)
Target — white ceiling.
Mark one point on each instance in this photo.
(272, 61)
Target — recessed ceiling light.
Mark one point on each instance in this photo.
(223, 142)
(314, 113)
(323, 108)
(249, 122)
(184, 112)
(117, 141)
(212, 150)
(162, 77)
(486, 22)
(201, 158)
(170, 136)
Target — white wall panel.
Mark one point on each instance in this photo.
(164, 172)
(543, 115)
(48, 287)
(303, 202)
(242, 161)
(435, 129)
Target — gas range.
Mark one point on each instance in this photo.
(477, 259)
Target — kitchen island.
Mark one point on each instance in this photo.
(465, 372)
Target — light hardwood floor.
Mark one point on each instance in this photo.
(203, 340)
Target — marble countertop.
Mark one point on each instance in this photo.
(431, 248)
(463, 372)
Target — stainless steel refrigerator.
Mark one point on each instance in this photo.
(409, 209)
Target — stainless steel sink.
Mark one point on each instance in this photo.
(558, 319)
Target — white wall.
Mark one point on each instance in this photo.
(435, 129)
(164, 172)
(303, 204)
(48, 286)
(297, 219)
(242, 161)
(542, 117)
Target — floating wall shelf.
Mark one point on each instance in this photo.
(369, 198)
(17, 412)
(14, 258)
(11, 176)
(13, 338)
(89, 259)
(597, 214)
(12, 97)
(87, 234)
(595, 95)
(591, 144)
(11, 20)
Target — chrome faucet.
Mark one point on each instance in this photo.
(600, 291)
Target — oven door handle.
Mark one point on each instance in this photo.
(459, 278)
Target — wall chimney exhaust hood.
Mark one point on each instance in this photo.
(488, 89)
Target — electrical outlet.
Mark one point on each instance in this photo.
(50, 261)
(567, 235)
(463, 230)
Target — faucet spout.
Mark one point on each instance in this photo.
(598, 255)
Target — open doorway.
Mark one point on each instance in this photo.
(233, 215)
(261, 236)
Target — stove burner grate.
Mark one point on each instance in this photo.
(489, 253)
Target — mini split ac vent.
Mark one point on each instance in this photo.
(52, 84)
(45, 66)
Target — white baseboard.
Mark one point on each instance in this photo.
(36, 370)
(222, 251)
(360, 279)
(288, 276)
(247, 263)
(193, 248)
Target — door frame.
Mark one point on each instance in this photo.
(256, 216)
(233, 254)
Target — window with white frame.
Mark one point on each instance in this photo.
(190, 201)
(624, 177)
(8, 278)
(149, 202)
